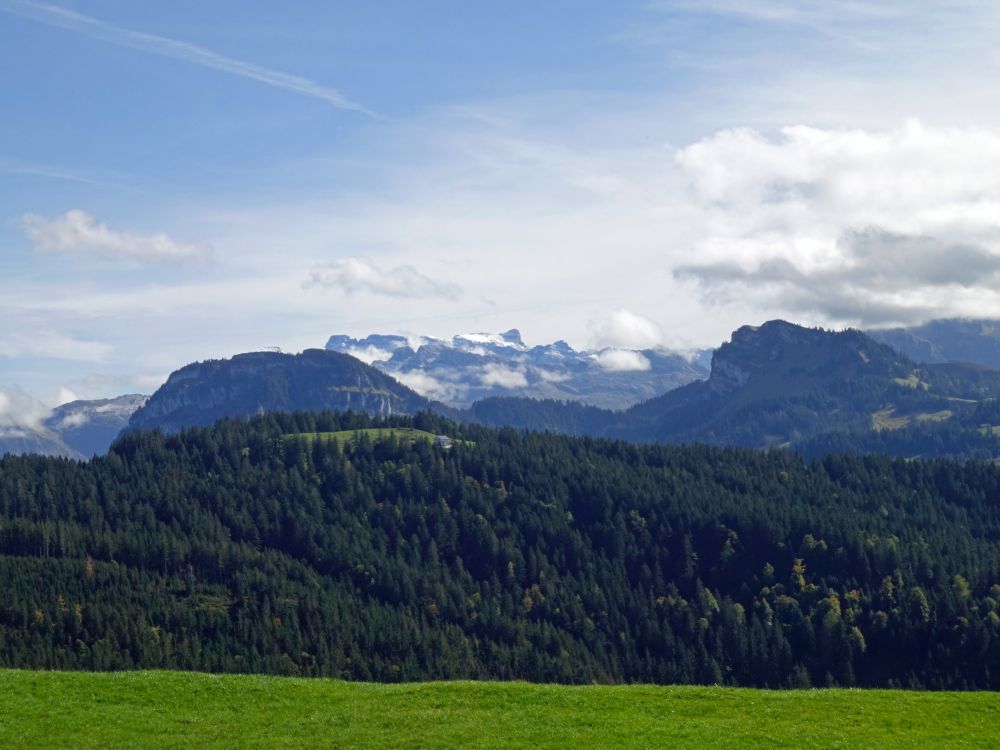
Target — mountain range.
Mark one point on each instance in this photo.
(783, 385)
(774, 385)
(949, 340)
(78, 429)
(470, 367)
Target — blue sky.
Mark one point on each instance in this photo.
(187, 180)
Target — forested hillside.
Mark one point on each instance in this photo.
(509, 555)
(810, 390)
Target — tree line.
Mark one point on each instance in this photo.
(511, 555)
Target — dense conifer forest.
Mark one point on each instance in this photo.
(244, 548)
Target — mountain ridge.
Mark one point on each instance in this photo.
(199, 394)
(474, 366)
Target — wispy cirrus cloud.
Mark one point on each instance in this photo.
(353, 276)
(54, 15)
(79, 233)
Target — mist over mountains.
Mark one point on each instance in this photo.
(78, 429)
(471, 367)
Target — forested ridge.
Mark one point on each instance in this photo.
(511, 556)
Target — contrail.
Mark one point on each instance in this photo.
(54, 15)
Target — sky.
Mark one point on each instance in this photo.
(187, 180)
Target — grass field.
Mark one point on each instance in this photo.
(345, 436)
(175, 709)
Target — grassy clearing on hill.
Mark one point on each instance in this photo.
(175, 709)
(374, 433)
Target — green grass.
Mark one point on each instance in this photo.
(176, 709)
(375, 433)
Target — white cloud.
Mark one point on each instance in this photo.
(353, 275)
(622, 360)
(79, 233)
(54, 15)
(64, 396)
(625, 329)
(369, 354)
(551, 377)
(429, 386)
(853, 226)
(20, 413)
(74, 419)
(503, 377)
(821, 15)
(27, 339)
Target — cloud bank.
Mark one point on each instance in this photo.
(353, 276)
(848, 225)
(77, 232)
(20, 414)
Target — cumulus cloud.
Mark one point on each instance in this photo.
(622, 360)
(65, 396)
(503, 377)
(878, 277)
(624, 329)
(430, 387)
(551, 377)
(20, 414)
(854, 226)
(369, 354)
(353, 275)
(79, 233)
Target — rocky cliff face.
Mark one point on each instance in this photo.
(249, 384)
(755, 351)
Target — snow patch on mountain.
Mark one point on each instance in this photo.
(472, 366)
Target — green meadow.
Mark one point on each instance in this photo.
(177, 709)
(343, 437)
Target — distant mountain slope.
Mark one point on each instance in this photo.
(89, 427)
(947, 340)
(774, 385)
(783, 385)
(472, 367)
(23, 441)
(778, 383)
(79, 429)
(248, 384)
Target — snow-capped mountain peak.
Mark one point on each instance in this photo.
(472, 366)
